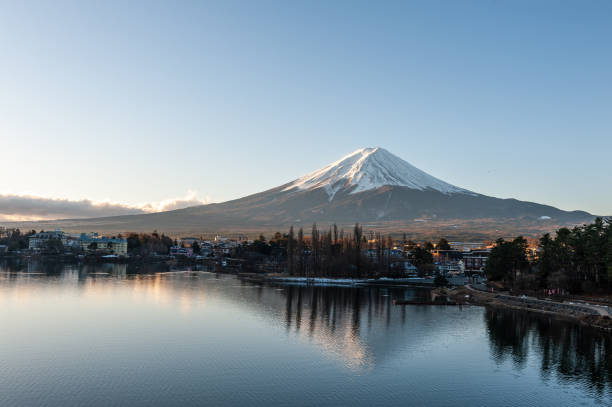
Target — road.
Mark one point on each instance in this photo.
(600, 309)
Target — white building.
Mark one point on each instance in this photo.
(37, 241)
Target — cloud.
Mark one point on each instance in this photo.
(31, 207)
(191, 199)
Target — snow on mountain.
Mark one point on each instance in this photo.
(371, 168)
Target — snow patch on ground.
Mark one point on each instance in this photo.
(347, 281)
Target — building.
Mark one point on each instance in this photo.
(446, 256)
(205, 250)
(451, 268)
(92, 243)
(38, 240)
(476, 260)
(533, 253)
(466, 246)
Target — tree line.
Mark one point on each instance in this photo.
(145, 244)
(15, 239)
(336, 253)
(576, 260)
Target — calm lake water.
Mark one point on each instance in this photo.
(103, 336)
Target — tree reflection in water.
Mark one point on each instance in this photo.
(571, 352)
(330, 306)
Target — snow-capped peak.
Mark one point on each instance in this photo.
(371, 168)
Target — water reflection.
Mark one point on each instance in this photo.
(359, 324)
(567, 351)
(359, 328)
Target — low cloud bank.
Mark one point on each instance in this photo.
(191, 199)
(31, 207)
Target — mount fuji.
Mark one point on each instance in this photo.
(369, 186)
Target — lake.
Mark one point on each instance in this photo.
(110, 335)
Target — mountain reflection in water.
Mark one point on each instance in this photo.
(83, 333)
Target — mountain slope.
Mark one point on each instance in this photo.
(370, 186)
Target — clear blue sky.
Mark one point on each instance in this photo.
(141, 101)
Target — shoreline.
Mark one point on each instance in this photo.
(341, 282)
(584, 314)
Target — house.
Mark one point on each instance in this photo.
(373, 253)
(408, 267)
(73, 244)
(38, 240)
(181, 251)
(450, 267)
